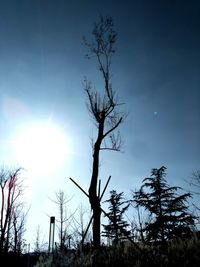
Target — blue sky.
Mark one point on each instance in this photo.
(155, 72)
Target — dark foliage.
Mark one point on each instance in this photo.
(116, 230)
(176, 253)
(169, 211)
(23, 260)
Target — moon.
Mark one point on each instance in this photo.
(41, 148)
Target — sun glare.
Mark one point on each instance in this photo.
(41, 148)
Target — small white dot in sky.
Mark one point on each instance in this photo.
(155, 113)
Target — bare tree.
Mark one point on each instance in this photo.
(11, 221)
(195, 181)
(80, 223)
(39, 243)
(63, 220)
(138, 222)
(18, 221)
(104, 109)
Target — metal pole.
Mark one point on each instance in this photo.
(49, 237)
(51, 234)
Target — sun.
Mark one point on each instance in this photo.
(41, 148)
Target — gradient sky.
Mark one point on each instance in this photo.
(156, 72)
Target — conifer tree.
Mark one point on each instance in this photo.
(117, 227)
(169, 211)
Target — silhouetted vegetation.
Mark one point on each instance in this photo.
(12, 213)
(195, 186)
(169, 213)
(103, 106)
(117, 226)
(63, 220)
(168, 235)
(176, 253)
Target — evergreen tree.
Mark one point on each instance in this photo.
(170, 215)
(117, 227)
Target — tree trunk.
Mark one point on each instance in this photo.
(97, 224)
(93, 197)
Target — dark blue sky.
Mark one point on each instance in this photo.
(155, 72)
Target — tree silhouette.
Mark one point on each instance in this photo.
(103, 106)
(79, 226)
(117, 227)
(38, 242)
(12, 216)
(18, 228)
(195, 184)
(170, 216)
(64, 219)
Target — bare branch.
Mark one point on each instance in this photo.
(103, 108)
(114, 127)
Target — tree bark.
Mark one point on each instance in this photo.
(93, 197)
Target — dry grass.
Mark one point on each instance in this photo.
(177, 253)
